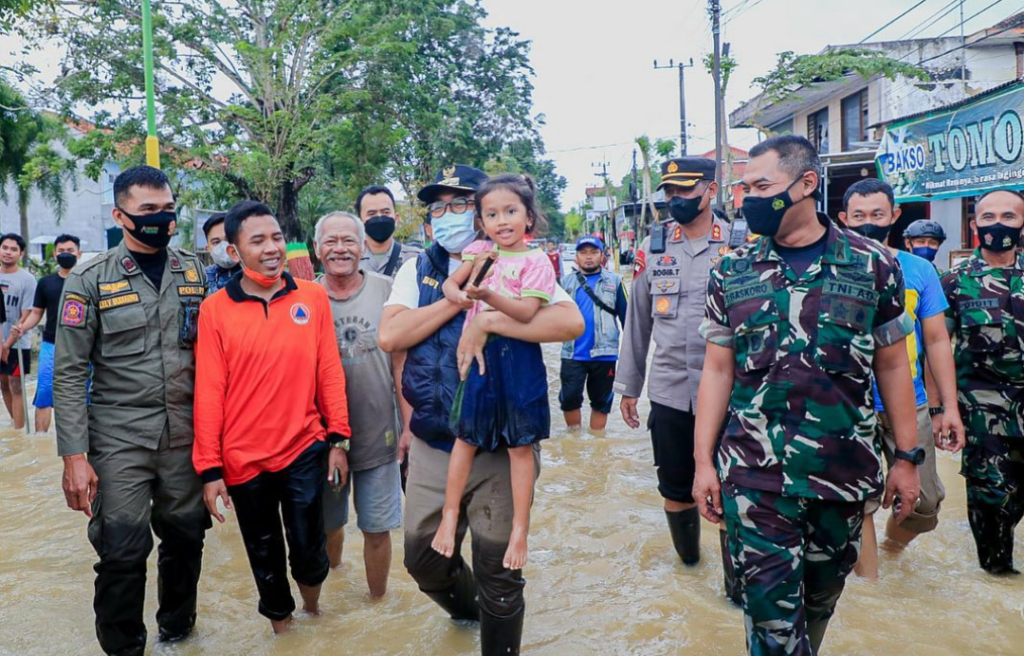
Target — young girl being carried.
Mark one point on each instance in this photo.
(505, 402)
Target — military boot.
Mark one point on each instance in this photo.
(501, 636)
(685, 529)
(460, 599)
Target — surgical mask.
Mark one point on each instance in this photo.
(380, 228)
(872, 231)
(998, 238)
(764, 215)
(454, 231)
(66, 260)
(685, 210)
(261, 279)
(153, 230)
(927, 252)
(220, 256)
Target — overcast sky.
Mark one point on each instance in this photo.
(596, 85)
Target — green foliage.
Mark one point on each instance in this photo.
(345, 93)
(726, 65)
(12, 10)
(795, 71)
(28, 160)
(573, 225)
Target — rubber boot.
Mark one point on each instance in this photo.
(733, 590)
(685, 529)
(460, 599)
(501, 636)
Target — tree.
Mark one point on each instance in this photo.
(269, 95)
(28, 160)
(793, 72)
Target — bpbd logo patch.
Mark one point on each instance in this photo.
(300, 314)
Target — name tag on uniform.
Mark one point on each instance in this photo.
(191, 290)
(979, 304)
(664, 273)
(755, 290)
(427, 280)
(849, 290)
(119, 301)
(107, 288)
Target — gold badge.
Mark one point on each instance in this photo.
(672, 167)
(114, 287)
(716, 232)
(448, 172)
(191, 275)
(677, 234)
(662, 305)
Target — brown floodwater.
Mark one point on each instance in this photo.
(602, 576)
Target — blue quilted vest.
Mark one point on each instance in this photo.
(431, 375)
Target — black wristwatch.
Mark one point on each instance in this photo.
(937, 410)
(915, 456)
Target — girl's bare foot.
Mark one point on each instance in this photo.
(515, 555)
(444, 539)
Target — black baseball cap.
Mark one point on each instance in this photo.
(686, 171)
(457, 177)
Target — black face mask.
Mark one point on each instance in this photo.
(153, 230)
(685, 210)
(872, 231)
(998, 238)
(764, 215)
(66, 260)
(380, 228)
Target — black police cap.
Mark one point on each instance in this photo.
(687, 171)
(457, 177)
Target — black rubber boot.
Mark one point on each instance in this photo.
(501, 636)
(685, 529)
(460, 599)
(733, 589)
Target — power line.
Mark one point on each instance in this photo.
(974, 43)
(892, 21)
(931, 20)
(967, 20)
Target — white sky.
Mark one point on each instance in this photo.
(595, 81)
(596, 85)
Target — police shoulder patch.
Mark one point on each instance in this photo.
(72, 314)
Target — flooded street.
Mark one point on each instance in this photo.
(602, 579)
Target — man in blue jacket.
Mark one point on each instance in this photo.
(589, 360)
(418, 319)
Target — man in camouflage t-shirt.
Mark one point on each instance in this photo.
(986, 318)
(799, 323)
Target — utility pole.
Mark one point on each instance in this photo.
(152, 143)
(633, 198)
(715, 8)
(963, 51)
(682, 99)
(608, 199)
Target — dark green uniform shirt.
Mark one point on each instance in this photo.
(139, 342)
(986, 320)
(802, 415)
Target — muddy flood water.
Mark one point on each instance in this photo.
(602, 576)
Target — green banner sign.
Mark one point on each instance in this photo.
(959, 152)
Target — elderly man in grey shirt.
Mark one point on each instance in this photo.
(373, 380)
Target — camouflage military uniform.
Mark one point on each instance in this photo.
(798, 456)
(986, 319)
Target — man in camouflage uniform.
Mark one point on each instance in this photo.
(130, 314)
(986, 317)
(797, 324)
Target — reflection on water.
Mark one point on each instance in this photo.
(603, 578)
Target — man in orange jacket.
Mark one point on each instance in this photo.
(270, 408)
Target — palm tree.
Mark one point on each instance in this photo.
(27, 158)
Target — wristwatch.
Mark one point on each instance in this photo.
(937, 410)
(915, 456)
